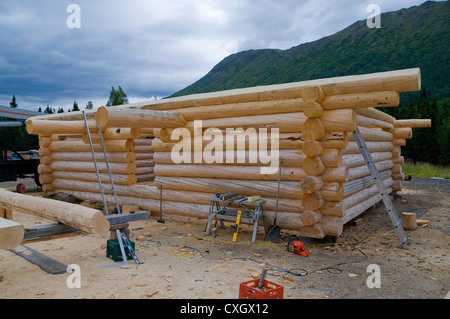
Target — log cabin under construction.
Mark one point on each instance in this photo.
(176, 144)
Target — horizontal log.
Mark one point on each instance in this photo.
(400, 81)
(373, 147)
(376, 114)
(403, 133)
(357, 198)
(339, 174)
(289, 158)
(119, 179)
(125, 117)
(80, 146)
(359, 184)
(143, 178)
(152, 192)
(373, 135)
(115, 168)
(355, 160)
(412, 123)
(113, 133)
(373, 123)
(226, 171)
(88, 219)
(362, 100)
(241, 109)
(45, 127)
(289, 190)
(399, 142)
(11, 234)
(112, 157)
(286, 220)
(362, 171)
(360, 208)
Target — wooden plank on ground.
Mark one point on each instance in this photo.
(44, 262)
(51, 231)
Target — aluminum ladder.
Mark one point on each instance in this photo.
(112, 188)
(396, 220)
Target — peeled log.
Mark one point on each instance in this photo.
(309, 218)
(112, 157)
(137, 118)
(289, 157)
(373, 134)
(226, 171)
(80, 146)
(362, 171)
(400, 81)
(115, 168)
(373, 123)
(313, 166)
(355, 160)
(310, 184)
(120, 179)
(241, 109)
(412, 123)
(49, 127)
(362, 100)
(87, 219)
(373, 147)
(11, 234)
(403, 133)
(244, 187)
(376, 114)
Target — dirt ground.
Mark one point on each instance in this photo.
(180, 262)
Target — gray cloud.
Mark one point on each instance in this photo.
(148, 47)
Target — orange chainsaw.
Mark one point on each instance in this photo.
(295, 246)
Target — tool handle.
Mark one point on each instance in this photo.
(261, 279)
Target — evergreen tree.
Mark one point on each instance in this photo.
(13, 103)
(75, 106)
(89, 105)
(117, 97)
(49, 110)
(60, 110)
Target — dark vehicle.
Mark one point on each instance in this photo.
(15, 164)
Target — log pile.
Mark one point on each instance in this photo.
(325, 182)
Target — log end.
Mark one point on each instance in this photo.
(102, 117)
(11, 234)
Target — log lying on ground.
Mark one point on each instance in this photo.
(88, 219)
(11, 234)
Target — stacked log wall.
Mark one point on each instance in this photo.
(324, 179)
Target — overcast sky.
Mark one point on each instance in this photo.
(152, 47)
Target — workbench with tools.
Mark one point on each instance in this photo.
(231, 207)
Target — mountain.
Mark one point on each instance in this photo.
(408, 38)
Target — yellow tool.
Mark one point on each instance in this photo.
(238, 221)
(252, 199)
